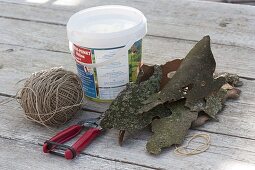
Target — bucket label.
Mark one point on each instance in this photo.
(104, 83)
(112, 78)
(82, 54)
(88, 81)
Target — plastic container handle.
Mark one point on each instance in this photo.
(115, 55)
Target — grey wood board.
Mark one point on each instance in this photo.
(18, 63)
(156, 50)
(236, 119)
(29, 156)
(225, 151)
(36, 40)
(166, 18)
(16, 68)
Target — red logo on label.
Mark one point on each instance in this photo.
(82, 54)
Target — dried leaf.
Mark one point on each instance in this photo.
(171, 130)
(169, 67)
(233, 93)
(201, 120)
(147, 70)
(121, 136)
(122, 113)
(227, 86)
(193, 80)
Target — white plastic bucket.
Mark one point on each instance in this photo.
(106, 42)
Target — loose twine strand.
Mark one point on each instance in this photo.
(51, 97)
(184, 151)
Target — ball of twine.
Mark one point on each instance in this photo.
(51, 97)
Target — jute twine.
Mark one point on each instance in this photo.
(51, 97)
(184, 151)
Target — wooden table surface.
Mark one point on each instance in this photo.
(33, 37)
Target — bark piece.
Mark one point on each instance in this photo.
(232, 79)
(215, 103)
(171, 130)
(193, 80)
(122, 113)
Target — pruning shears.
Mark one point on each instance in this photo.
(56, 143)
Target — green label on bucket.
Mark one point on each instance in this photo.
(105, 82)
(134, 59)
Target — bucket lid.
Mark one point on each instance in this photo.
(106, 26)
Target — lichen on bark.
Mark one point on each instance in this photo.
(123, 111)
(172, 129)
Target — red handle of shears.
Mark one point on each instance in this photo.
(82, 142)
(66, 135)
(63, 136)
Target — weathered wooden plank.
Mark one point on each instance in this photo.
(30, 156)
(225, 151)
(229, 152)
(166, 18)
(16, 67)
(231, 59)
(156, 50)
(35, 35)
(18, 63)
(237, 118)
